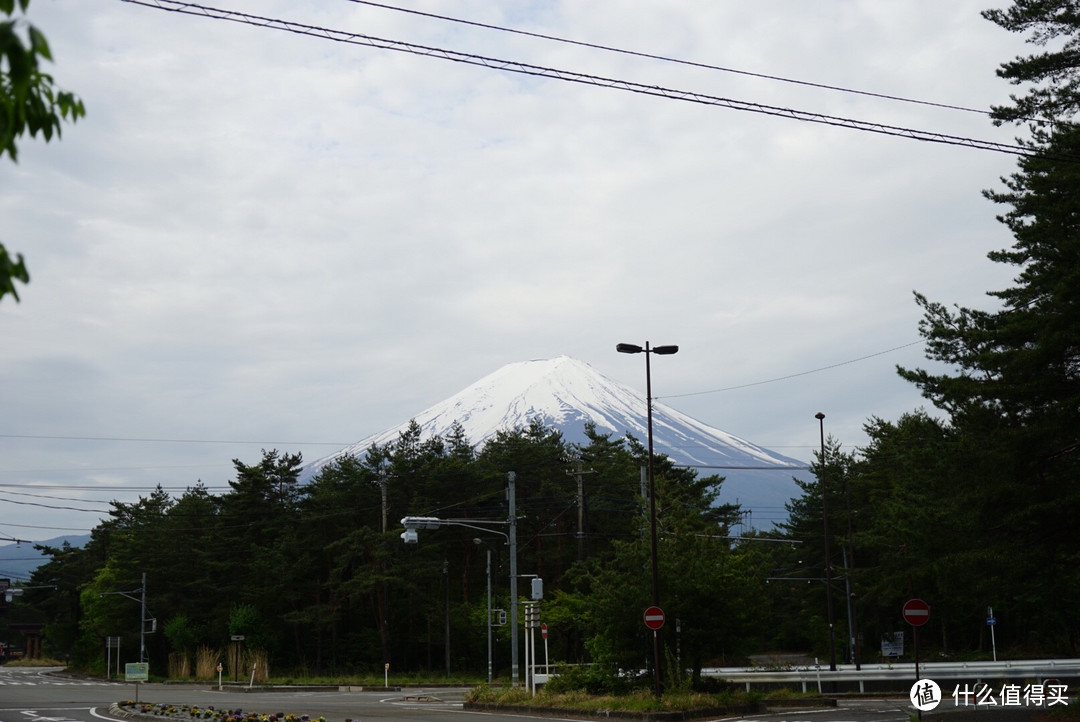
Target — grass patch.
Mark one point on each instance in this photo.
(36, 662)
(635, 701)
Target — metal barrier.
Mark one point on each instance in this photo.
(1037, 669)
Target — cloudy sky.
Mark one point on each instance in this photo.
(267, 239)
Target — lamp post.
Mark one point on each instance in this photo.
(828, 566)
(849, 562)
(663, 351)
(413, 523)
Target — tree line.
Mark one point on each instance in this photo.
(317, 576)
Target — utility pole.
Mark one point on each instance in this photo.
(382, 488)
(141, 599)
(142, 622)
(579, 472)
(511, 499)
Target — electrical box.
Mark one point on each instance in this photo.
(537, 589)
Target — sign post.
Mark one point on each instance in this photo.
(916, 613)
(654, 620)
(991, 621)
(237, 640)
(112, 643)
(543, 633)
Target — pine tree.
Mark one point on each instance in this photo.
(1012, 388)
(1055, 73)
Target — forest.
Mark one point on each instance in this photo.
(967, 504)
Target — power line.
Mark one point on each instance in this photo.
(791, 376)
(109, 489)
(56, 506)
(47, 496)
(667, 59)
(172, 441)
(52, 528)
(593, 80)
(344, 444)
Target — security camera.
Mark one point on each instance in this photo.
(409, 536)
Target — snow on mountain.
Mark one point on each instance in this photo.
(567, 394)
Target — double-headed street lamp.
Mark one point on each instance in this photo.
(828, 563)
(663, 351)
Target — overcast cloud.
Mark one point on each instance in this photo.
(257, 238)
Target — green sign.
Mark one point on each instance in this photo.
(136, 671)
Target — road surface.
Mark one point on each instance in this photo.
(47, 695)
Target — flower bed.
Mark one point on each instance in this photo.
(183, 713)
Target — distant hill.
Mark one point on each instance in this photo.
(18, 561)
(566, 394)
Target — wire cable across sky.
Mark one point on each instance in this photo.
(571, 76)
(668, 59)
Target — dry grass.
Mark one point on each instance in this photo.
(206, 662)
(36, 662)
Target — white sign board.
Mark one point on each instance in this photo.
(892, 644)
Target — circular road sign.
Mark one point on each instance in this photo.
(654, 618)
(543, 630)
(916, 612)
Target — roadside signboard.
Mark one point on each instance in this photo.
(892, 644)
(136, 671)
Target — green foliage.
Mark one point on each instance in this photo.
(29, 104)
(594, 679)
(11, 271)
(244, 620)
(1053, 77)
(29, 101)
(180, 633)
(1012, 393)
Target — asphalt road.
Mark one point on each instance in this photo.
(45, 695)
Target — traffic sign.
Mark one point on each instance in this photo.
(916, 612)
(654, 618)
(543, 630)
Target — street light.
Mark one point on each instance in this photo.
(663, 351)
(828, 566)
(413, 524)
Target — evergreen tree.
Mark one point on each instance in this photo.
(1012, 384)
(1054, 75)
(1015, 384)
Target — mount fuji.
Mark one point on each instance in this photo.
(566, 394)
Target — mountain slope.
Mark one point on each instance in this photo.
(18, 561)
(567, 394)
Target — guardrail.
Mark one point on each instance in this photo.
(1037, 669)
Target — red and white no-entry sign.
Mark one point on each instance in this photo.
(543, 630)
(654, 618)
(916, 612)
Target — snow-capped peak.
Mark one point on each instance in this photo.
(566, 394)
